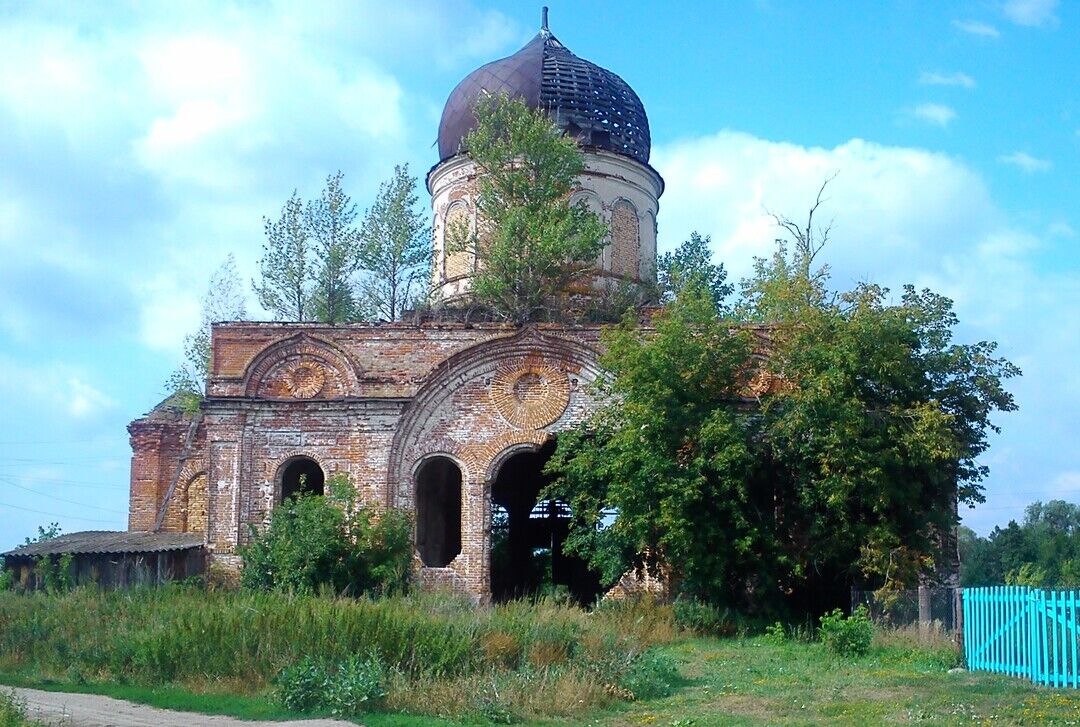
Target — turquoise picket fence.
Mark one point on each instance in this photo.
(1024, 632)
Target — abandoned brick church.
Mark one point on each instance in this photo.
(451, 421)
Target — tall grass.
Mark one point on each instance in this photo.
(432, 644)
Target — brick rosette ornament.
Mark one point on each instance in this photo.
(304, 380)
(530, 394)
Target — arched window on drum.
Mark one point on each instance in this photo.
(457, 258)
(625, 240)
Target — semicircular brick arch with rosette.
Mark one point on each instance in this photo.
(302, 367)
(515, 389)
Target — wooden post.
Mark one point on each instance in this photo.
(924, 613)
(958, 618)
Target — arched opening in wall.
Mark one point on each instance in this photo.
(301, 475)
(195, 497)
(438, 511)
(527, 535)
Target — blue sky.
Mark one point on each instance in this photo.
(142, 142)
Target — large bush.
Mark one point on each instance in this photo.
(316, 542)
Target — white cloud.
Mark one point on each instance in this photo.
(908, 215)
(937, 78)
(84, 400)
(1025, 162)
(1032, 13)
(934, 113)
(976, 27)
(52, 386)
(168, 312)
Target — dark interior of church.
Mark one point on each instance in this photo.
(302, 475)
(438, 511)
(527, 535)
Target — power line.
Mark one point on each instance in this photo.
(56, 514)
(61, 499)
(31, 443)
(78, 483)
(38, 460)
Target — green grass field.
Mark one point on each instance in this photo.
(739, 682)
(449, 663)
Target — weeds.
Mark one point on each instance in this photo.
(425, 654)
(12, 711)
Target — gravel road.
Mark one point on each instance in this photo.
(90, 710)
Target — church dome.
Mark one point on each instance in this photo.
(590, 103)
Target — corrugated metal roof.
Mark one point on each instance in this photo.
(110, 541)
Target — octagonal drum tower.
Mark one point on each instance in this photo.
(589, 103)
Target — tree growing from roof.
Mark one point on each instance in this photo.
(310, 257)
(531, 244)
(224, 301)
(395, 248)
(336, 253)
(828, 449)
(691, 266)
(286, 273)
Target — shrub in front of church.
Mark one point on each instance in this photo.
(355, 686)
(316, 543)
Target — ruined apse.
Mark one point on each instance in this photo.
(450, 421)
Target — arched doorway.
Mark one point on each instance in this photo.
(438, 511)
(300, 475)
(527, 534)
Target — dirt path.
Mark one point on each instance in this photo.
(92, 710)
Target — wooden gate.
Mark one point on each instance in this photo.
(1026, 632)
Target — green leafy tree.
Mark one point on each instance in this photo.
(336, 252)
(691, 265)
(671, 458)
(286, 273)
(1042, 550)
(395, 248)
(531, 244)
(224, 301)
(315, 542)
(832, 447)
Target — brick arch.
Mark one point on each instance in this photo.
(485, 361)
(302, 367)
(492, 454)
(178, 510)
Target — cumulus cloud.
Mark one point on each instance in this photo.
(137, 157)
(1032, 13)
(937, 78)
(53, 386)
(83, 399)
(906, 215)
(976, 27)
(1025, 162)
(934, 114)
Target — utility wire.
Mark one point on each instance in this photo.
(56, 514)
(77, 483)
(61, 499)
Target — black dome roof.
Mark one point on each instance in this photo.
(590, 103)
